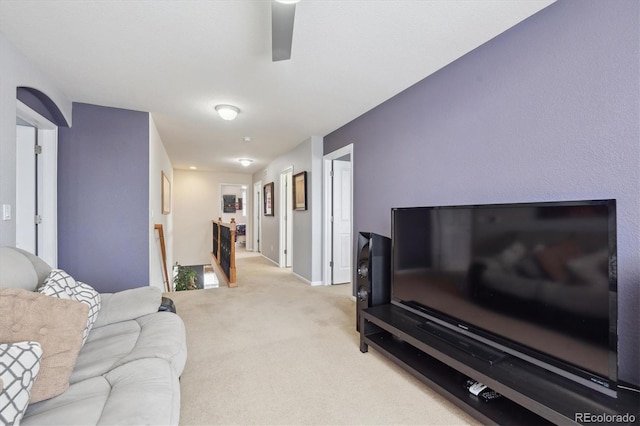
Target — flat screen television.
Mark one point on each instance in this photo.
(532, 280)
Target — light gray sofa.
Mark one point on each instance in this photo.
(127, 371)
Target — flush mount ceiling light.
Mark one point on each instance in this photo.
(288, 1)
(227, 112)
(245, 162)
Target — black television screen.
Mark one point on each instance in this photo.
(535, 280)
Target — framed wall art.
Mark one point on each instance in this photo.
(300, 191)
(228, 204)
(268, 199)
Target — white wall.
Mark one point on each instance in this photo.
(196, 202)
(17, 71)
(158, 162)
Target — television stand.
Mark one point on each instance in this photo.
(531, 394)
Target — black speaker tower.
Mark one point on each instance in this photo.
(373, 281)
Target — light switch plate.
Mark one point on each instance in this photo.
(6, 212)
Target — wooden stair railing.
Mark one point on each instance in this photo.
(158, 227)
(224, 249)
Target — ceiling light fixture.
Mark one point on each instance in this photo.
(245, 162)
(288, 1)
(227, 112)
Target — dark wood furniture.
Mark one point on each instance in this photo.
(531, 394)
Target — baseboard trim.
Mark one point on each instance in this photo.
(270, 260)
(311, 283)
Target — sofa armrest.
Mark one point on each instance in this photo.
(21, 269)
(167, 305)
(127, 305)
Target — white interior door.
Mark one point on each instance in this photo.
(37, 185)
(286, 225)
(344, 154)
(257, 216)
(25, 211)
(341, 222)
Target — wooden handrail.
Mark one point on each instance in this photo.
(163, 251)
(224, 249)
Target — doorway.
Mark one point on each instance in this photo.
(286, 222)
(36, 184)
(234, 205)
(257, 216)
(338, 216)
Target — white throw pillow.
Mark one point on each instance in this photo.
(19, 366)
(62, 285)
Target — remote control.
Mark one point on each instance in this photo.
(476, 388)
(481, 390)
(489, 394)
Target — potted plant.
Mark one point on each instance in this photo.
(184, 278)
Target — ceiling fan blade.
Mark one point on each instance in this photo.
(282, 16)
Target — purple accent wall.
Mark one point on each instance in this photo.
(548, 110)
(103, 197)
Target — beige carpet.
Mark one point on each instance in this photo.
(275, 351)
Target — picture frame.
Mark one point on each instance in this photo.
(166, 194)
(269, 201)
(300, 191)
(228, 204)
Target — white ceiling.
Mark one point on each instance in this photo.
(178, 59)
